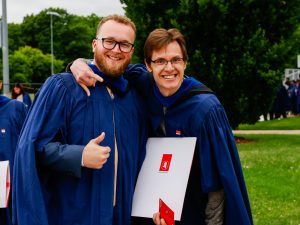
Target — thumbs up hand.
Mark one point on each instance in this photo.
(94, 155)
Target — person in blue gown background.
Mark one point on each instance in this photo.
(12, 116)
(78, 157)
(19, 94)
(180, 106)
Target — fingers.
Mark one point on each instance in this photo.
(91, 80)
(86, 89)
(87, 77)
(95, 155)
(162, 222)
(100, 138)
(96, 77)
(156, 218)
(84, 74)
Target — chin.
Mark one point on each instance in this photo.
(172, 86)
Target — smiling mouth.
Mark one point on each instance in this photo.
(114, 58)
(169, 77)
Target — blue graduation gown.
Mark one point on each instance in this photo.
(50, 193)
(12, 116)
(26, 99)
(216, 163)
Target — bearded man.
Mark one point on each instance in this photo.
(79, 181)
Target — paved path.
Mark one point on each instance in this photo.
(266, 132)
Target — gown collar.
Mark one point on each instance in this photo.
(187, 84)
(118, 85)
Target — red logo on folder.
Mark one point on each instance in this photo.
(165, 163)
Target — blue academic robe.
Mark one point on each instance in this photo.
(52, 191)
(26, 99)
(216, 163)
(12, 116)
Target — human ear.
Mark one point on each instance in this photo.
(94, 44)
(149, 68)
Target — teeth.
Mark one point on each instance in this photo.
(114, 58)
(168, 76)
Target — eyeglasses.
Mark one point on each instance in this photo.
(110, 44)
(164, 62)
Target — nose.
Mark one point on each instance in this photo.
(169, 66)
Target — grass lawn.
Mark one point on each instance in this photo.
(271, 166)
(292, 123)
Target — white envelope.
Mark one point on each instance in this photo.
(4, 183)
(165, 179)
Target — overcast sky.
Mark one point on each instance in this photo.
(17, 9)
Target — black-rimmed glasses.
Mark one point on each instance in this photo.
(164, 62)
(109, 44)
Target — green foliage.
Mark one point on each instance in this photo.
(15, 37)
(30, 65)
(76, 37)
(72, 37)
(271, 169)
(292, 123)
(238, 48)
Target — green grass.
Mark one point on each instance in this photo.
(271, 166)
(292, 123)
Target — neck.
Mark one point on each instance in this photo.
(167, 92)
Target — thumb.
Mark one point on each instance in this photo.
(100, 138)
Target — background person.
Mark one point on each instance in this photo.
(19, 94)
(12, 116)
(216, 192)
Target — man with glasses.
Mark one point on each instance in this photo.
(180, 106)
(78, 157)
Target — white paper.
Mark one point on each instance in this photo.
(169, 186)
(4, 183)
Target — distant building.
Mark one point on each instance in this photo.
(291, 74)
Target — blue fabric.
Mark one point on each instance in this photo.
(26, 99)
(117, 84)
(186, 85)
(62, 112)
(216, 163)
(12, 116)
(3, 100)
(53, 152)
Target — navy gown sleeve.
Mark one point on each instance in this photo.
(139, 78)
(221, 167)
(54, 152)
(47, 116)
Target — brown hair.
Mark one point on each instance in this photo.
(14, 95)
(159, 38)
(119, 19)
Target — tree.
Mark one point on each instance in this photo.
(72, 35)
(238, 48)
(30, 65)
(15, 37)
(30, 44)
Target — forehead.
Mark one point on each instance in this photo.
(170, 50)
(117, 31)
